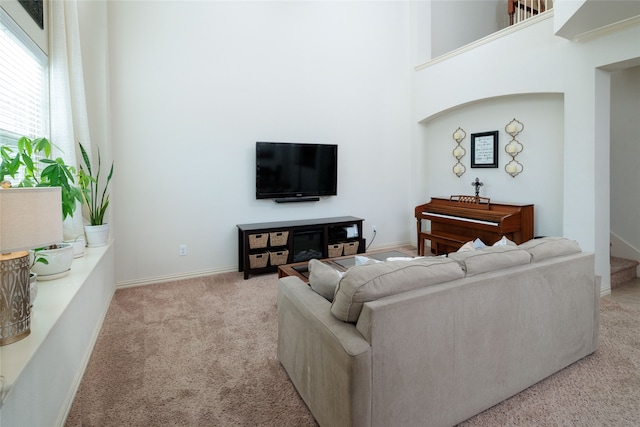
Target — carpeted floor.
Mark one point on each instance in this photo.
(190, 353)
(202, 352)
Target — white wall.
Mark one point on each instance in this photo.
(454, 24)
(625, 153)
(552, 65)
(576, 19)
(195, 84)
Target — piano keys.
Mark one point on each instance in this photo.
(459, 219)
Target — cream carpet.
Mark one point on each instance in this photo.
(202, 352)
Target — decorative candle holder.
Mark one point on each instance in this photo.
(459, 152)
(513, 148)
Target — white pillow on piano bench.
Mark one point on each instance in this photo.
(504, 242)
(467, 247)
(478, 244)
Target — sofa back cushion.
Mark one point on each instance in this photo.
(490, 258)
(370, 282)
(549, 247)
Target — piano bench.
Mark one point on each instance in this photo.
(441, 239)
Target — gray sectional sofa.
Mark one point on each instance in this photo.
(436, 340)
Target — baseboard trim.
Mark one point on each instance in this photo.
(202, 273)
(604, 289)
(388, 246)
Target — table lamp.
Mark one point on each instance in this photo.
(29, 218)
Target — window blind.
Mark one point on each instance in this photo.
(23, 84)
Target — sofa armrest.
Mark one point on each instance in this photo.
(328, 360)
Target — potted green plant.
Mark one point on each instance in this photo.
(42, 172)
(31, 157)
(96, 201)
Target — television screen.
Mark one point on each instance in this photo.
(294, 170)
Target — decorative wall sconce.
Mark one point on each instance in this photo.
(513, 148)
(459, 152)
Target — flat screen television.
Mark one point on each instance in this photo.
(290, 172)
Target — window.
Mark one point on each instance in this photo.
(23, 85)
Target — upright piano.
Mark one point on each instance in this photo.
(459, 219)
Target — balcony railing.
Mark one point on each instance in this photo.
(520, 10)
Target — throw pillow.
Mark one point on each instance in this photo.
(370, 282)
(323, 278)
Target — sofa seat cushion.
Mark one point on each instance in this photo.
(490, 258)
(549, 247)
(370, 282)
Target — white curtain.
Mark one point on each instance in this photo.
(68, 106)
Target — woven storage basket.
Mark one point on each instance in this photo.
(351, 248)
(278, 257)
(278, 238)
(335, 250)
(258, 260)
(257, 241)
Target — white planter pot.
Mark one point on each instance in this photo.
(97, 235)
(58, 262)
(78, 246)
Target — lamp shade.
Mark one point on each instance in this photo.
(30, 218)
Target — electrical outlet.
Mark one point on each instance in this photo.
(373, 228)
(183, 250)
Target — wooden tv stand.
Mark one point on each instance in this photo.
(263, 246)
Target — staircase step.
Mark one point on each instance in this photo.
(622, 270)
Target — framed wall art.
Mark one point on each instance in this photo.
(484, 149)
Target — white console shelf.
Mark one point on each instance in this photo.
(42, 371)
